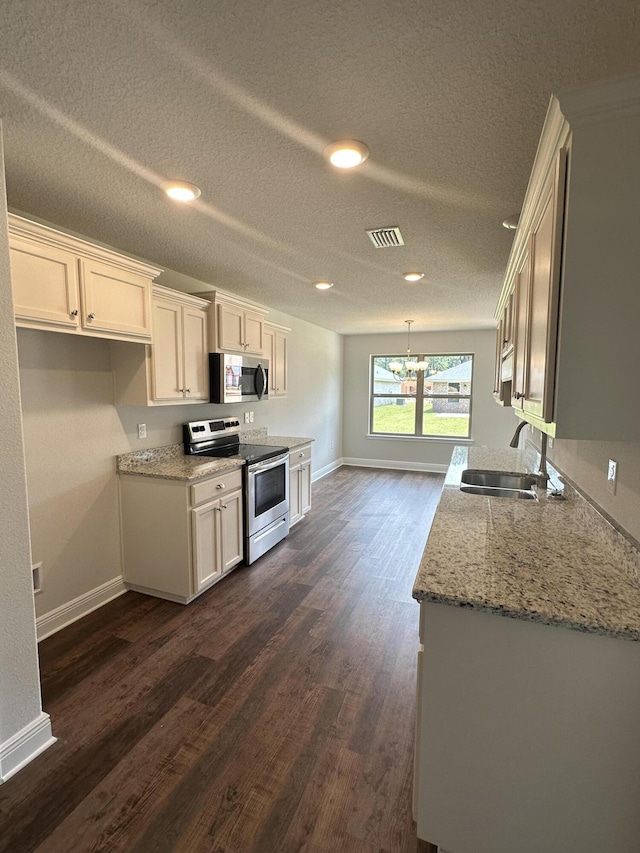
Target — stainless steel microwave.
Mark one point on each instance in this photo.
(237, 378)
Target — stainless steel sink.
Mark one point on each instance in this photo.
(498, 484)
(497, 479)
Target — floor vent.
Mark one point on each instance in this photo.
(385, 238)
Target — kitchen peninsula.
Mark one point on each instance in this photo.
(528, 686)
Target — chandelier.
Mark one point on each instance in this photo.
(412, 368)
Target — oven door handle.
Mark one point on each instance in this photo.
(256, 467)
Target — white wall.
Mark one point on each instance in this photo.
(73, 433)
(491, 426)
(20, 708)
(585, 462)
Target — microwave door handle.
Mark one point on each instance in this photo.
(260, 386)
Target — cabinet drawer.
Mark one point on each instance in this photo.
(216, 486)
(300, 454)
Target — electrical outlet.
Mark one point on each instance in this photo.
(550, 442)
(36, 572)
(612, 476)
(250, 417)
(142, 430)
(246, 417)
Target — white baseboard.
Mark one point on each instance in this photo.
(24, 746)
(430, 467)
(322, 472)
(53, 621)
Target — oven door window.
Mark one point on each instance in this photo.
(270, 489)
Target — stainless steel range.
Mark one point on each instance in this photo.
(265, 477)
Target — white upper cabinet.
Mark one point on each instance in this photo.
(64, 284)
(234, 325)
(174, 369)
(275, 349)
(239, 328)
(573, 271)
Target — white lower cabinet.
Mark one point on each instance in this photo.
(527, 736)
(217, 538)
(299, 483)
(179, 538)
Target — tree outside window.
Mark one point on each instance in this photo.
(430, 403)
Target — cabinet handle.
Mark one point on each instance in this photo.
(91, 317)
(74, 313)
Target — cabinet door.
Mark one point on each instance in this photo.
(115, 303)
(231, 530)
(195, 354)
(295, 506)
(166, 351)
(230, 328)
(269, 344)
(280, 363)
(497, 372)
(206, 525)
(305, 487)
(521, 315)
(253, 330)
(546, 239)
(45, 285)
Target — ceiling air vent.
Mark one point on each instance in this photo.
(384, 238)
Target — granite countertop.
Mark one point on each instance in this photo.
(285, 441)
(559, 562)
(170, 463)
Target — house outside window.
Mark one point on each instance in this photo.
(430, 403)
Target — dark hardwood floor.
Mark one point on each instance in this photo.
(274, 713)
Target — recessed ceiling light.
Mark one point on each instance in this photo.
(511, 222)
(323, 285)
(412, 276)
(181, 190)
(346, 153)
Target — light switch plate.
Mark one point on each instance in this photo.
(612, 476)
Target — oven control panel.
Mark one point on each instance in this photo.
(206, 430)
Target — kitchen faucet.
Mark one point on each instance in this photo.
(541, 475)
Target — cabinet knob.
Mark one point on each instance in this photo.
(220, 486)
(91, 317)
(74, 313)
(187, 390)
(300, 455)
(223, 506)
(518, 395)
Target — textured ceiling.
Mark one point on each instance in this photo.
(103, 101)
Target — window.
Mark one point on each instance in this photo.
(433, 402)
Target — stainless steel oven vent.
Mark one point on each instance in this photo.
(385, 238)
